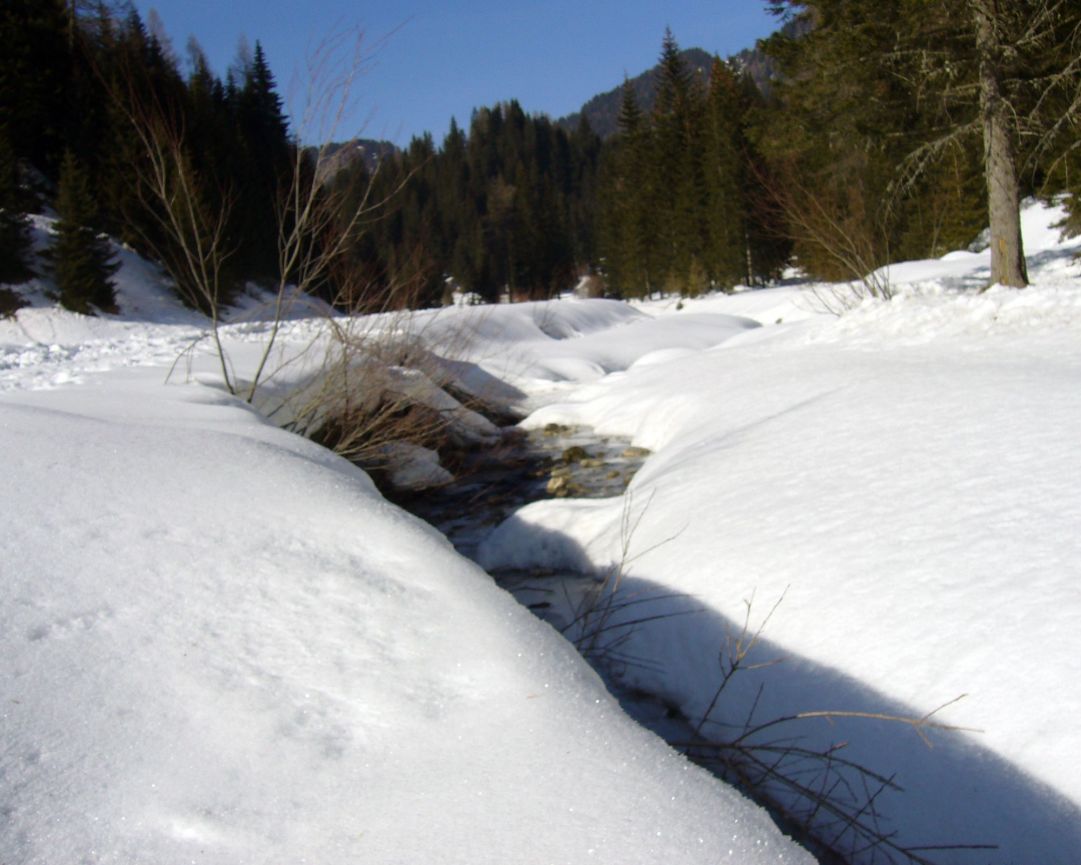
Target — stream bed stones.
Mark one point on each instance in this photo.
(525, 466)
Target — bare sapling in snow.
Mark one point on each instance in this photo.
(844, 233)
(364, 392)
(314, 228)
(190, 214)
(185, 231)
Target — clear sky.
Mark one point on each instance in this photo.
(433, 60)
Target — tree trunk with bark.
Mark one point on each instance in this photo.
(1000, 159)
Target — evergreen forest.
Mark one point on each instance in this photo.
(878, 133)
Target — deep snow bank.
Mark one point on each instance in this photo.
(221, 645)
(905, 476)
(546, 348)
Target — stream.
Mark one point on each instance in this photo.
(553, 462)
(527, 466)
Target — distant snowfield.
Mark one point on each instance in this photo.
(220, 644)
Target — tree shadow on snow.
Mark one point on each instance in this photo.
(938, 794)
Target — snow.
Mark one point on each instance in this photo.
(544, 348)
(221, 644)
(413, 467)
(902, 479)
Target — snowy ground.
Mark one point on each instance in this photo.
(221, 645)
(906, 477)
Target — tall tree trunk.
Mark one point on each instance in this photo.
(1000, 160)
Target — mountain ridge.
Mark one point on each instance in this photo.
(602, 110)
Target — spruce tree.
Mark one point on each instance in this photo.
(678, 119)
(14, 226)
(939, 74)
(1058, 155)
(726, 241)
(629, 204)
(35, 48)
(262, 164)
(80, 260)
(836, 130)
(585, 151)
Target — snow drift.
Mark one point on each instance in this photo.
(221, 645)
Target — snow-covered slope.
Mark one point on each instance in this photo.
(906, 478)
(221, 645)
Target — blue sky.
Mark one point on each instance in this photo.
(429, 61)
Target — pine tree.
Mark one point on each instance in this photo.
(677, 121)
(262, 161)
(628, 208)
(34, 77)
(1004, 73)
(1059, 154)
(147, 106)
(768, 248)
(584, 157)
(85, 125)
(835, 133)
(14, 233)
(725, 248)
(80, 259)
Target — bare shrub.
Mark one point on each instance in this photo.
(836, 226)
(605, 617)
(188, 220)
(819, 795)
(364, 380)
(372, 391)
(190, 213)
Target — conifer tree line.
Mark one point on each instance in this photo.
(521, 207)
(70, 68)
(900, 130)
(875, 144)
(681, 205)
(504, 210)
(890, 132)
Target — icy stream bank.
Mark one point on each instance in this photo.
(555, 462)
(525, 467)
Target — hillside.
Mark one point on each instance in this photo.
(602, 111)
(222, 645)
(339, 155)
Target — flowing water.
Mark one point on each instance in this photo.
(527, 466)
(559, 461)
(554, 462)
